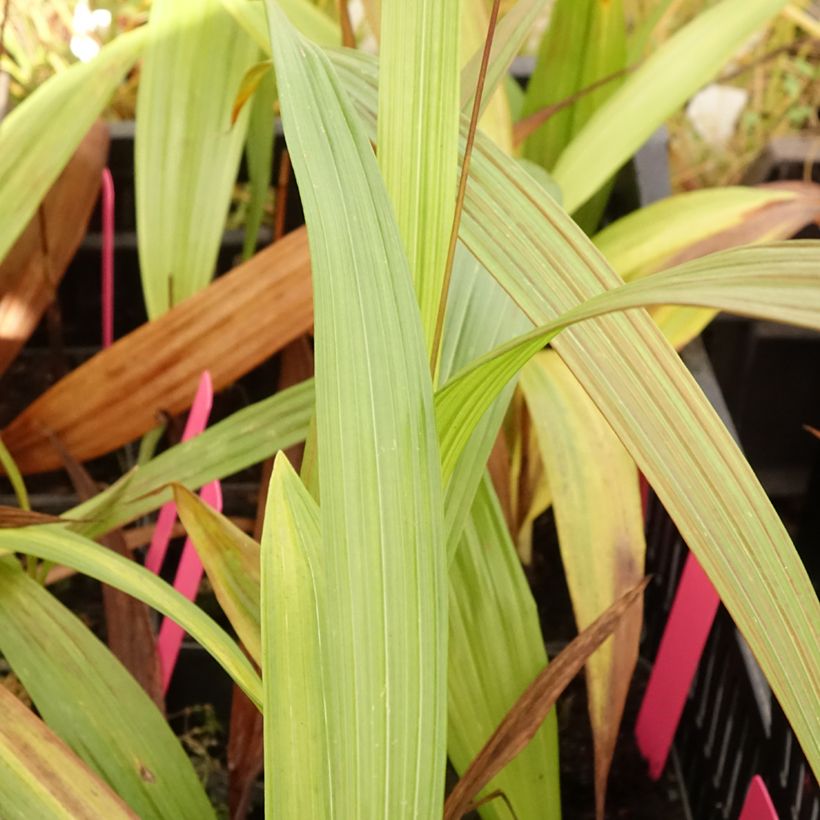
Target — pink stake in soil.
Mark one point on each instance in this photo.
(188, 577)
(189, 571)
(195, 424)
(690, 620)
(107, 286)
(758, 805)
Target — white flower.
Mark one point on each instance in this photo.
(714, 112)
(83, 45)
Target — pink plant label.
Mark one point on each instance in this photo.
(690, 621)
(188, 577)
(189, 571)
(107, 286)
(758, 804)
(194, 425)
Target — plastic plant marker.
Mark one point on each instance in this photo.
(195, 424)
(107, 285)
(758, 805)
(188, 577)
(690, 620)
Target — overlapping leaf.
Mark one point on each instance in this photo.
(91, 701)
(381, 518)
(186, 154)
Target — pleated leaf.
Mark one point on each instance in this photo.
(89, 699)
(381, 516)
(297, 767)
(64, 547)
(418, 135)
(186, 153)
(41, 777)
(653, 404)
(597, 503)
(39, 136)
(662, 83)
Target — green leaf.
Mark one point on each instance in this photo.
(243, 439)
(259, 154)
(585, 42)
(297, 766)
(418, 135)
(597, 503)
(651, 237)
(39, 136)
(542, 259)
(231, 560)
(186, 152)
(685, 62)
(88, 698)
(381, 515)
(61, 546)
(496, 649)
(41, 777)
(307, 17)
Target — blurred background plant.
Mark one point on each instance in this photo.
(44, 37)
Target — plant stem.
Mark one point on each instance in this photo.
(462, 187)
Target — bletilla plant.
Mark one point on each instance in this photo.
(386, 606)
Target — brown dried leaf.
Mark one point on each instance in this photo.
(34, 266)
(230, 327)
(526, 716)
(13, 517)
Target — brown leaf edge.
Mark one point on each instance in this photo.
(523, 720)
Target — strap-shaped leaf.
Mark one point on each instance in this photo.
(378, 458)
(41, 777)
(40, 135)
(597, 503)
(89, 699)
(244, 438)
(418, 135)
(297, 768)
(686, 61)
(186, 152)
(638, 382)
(496, 646)
(69, 549)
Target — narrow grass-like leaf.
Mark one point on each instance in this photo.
(418, 135)
(35, 264)
(685, 62)
(186, 153)
(510, 36)
(524, 719)
(297, 767)
(780, 282)
(72, 550)
(243, 439)
(38, 138)
(41, 777)
(381, 518)
(259, 154)
(14, 476)
(306, 16)
(496, 649)
(584, 43)
(231, 560)
(91, 701)
(115, 396)
(597, 503)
